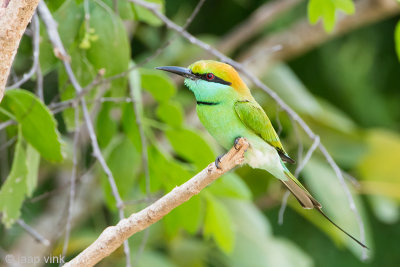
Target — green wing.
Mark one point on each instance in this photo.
(254, 117)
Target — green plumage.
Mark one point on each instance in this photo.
(254, 117)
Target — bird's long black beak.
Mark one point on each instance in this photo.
(184, 72)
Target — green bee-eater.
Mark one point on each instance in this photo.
(228, 111)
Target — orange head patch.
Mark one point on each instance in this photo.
(221, 70)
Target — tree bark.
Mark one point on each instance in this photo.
(14, 17)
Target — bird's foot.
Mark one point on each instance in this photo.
(218, 161)
(236, 143)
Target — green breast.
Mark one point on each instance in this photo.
(222, 122)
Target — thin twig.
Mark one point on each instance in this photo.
(283, 206)
(299, 168)
(35, 42)
(54, 37)
(39, 83)
(112, 237)
(240, 67)
(62, 187)
(60, 106)
(5, 124)
(301, 37)
(353, 207)
(72, 188)
(256, 22)
(136, 96)
(8, 143)
(38, 237)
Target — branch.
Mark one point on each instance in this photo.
(302, 37)
(112, 237)
(14, 17)
(38, 237)
(257, 21)
(244, 69)
(72, 189)
(136, 96)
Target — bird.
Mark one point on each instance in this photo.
(227, 109)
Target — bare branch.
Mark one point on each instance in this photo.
(35, 41)
(307, 157)
(55, 39)
(72, 188)
(136, 96)
(257, 21)
(302, 37)
(300, 167)
(240, 67)
(5, 124)
(14, 17)
(113, 236)
(38, 237)
(8, 143)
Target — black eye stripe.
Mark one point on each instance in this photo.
(216, 79)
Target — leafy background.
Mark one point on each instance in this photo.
(346, 89)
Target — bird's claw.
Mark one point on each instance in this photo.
(218, 161)
(236, 143)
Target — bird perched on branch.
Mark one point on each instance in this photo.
(228, 111)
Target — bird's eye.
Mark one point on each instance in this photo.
(210, 76)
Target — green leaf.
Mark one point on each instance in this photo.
(397, 39)
(129, 125)
(376, 165)
(106, 127)
(107, 48)
(345, 5)
(37, 123)
(171, 113)
(158, 84)
(110, 49)
(14, 189)
(218, 225)
(32, 164)
(385, 209)
(187, 216)
(69, 18)
(125, 8)
(319, 177)
(124, 162)
(326, 9)
(254, 241)
(230, 185)
(144, 15)
(190, 146)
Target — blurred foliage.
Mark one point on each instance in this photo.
(347, 90)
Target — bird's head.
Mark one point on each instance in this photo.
(212, 80)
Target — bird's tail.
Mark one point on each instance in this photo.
(309, 202)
